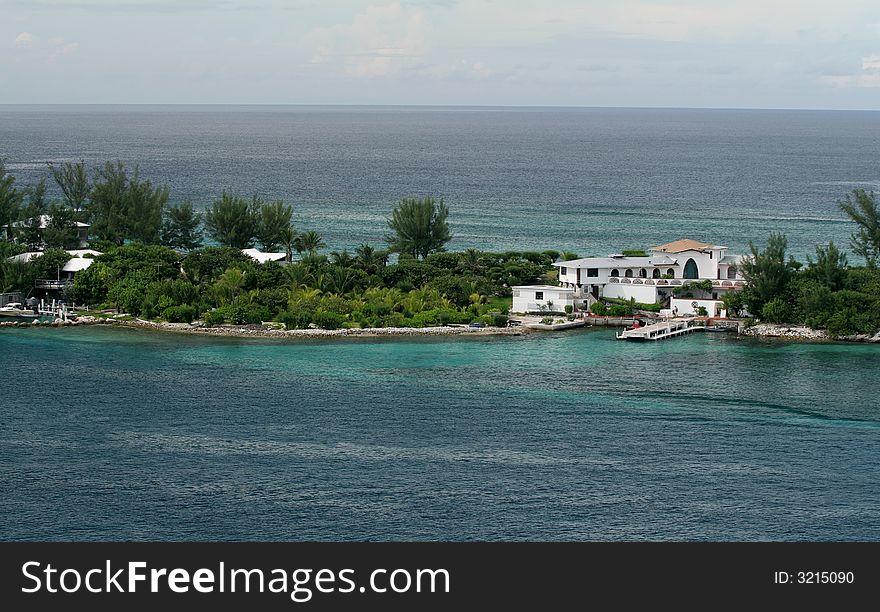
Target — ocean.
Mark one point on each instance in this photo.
(115, 434)
(592, 181)
(110, 434)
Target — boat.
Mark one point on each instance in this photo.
(13, 310)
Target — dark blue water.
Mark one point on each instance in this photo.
(590, 180)
(112, 434)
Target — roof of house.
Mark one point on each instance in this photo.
(544, 288)
(44, 222)
(75, 264)
(617, 262)
(262, 257)
(685, 245)
(732, 259)
(76, 255)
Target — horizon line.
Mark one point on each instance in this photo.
(435, 106)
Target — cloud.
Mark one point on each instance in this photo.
(24, 40)
(376, 42)
(871, 63)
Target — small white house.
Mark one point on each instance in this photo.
(689, 306)
(542, 298)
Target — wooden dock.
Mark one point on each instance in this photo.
(661, 331)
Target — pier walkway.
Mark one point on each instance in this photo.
(661, 331)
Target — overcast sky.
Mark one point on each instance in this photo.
(689, 53)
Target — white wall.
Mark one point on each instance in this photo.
(685, 306)
(524, 299)
(646, 294)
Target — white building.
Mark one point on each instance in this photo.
(82, 230)
(263, 257)
(542, 298)
(651, 279)
(80, 259)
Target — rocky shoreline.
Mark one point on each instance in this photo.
(261, 331)
(803, 334)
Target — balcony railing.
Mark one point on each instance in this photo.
(57, 285)
(724, 283)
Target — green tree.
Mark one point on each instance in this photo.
(767, 272)
(369, 259)
(861, 207)
(207, 264)
(309, 242)
(288, 240)
(181, 228)
(126, 208)
(30, 230)
(273, 219)
(10, 197)
(73, 180)
(60, 231)
(830, 266)
(232, 221)
(419, 227)
(49, 264)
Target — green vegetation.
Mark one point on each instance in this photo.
(180, 229)
(826, 294)
(419, 227)
(861, 207)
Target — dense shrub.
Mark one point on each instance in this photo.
(213, 317)
(179, 314)
(328, 320)
(776, 311)
(298, 319)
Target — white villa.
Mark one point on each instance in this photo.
(650, 279)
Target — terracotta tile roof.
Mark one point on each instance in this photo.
(682, 245)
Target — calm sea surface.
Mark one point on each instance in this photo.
(110, 434)
(590, 180)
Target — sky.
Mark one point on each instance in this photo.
(675, 53)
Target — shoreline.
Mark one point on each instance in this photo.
(770, 331)
(798, 333)
(259, 331)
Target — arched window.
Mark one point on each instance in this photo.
(656, 273)
(670, 273)
(615, 273)
(628, 274)
(643, 273)
(691, 270)
(731, 272)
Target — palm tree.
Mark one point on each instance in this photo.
(342, 259)
(288, 239)
(369, 259)
(309, 241)
(229, 285)
(472, 261)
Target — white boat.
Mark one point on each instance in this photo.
(13, 310)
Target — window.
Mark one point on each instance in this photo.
(670, 273)
(564, 271)
(643, 273)
(592, 272)
(539, 295)
(628, 274)
(656, 273)
(731, 272)
(690, 269)
(615, 273)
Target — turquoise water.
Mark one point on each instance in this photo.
(116, 434)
